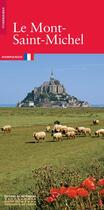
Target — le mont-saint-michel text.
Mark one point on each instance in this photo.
(39, 34)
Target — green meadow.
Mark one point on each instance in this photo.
(20, 155)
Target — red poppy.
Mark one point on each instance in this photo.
(55, 192)
(100, 203)
(50, 199)
(82, 192)
(89, 184)
(92, 178)
(71, 192)
(101, 192)
(100, 182)
(62, 190)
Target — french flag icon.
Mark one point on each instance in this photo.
(28, 56)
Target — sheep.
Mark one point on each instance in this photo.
(63, 129)
(39, 135)
(60, 128)
(95, 122)
(57, 128)
(6, 128)
(57, 136)
(70, 134)
(48, 128)
(86, 131)
(99, 132)
(71, 129)
(79, 130)
(83, 130)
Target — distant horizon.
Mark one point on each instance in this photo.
(81, 74)
(14, 105)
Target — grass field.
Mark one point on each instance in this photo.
(19, 155)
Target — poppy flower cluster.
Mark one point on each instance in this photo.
(86, 188)
(71, 192)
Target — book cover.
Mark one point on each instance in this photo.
(51, 105)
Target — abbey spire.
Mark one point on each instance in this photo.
(52, 76)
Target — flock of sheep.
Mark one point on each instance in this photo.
(59, 131)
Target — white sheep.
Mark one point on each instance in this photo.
(63, 129)
(57, 128)
(79, 130)
(86, 131)
(99, 132)
(95, 122)
(57, 136)
(39, 135)
(70, 134)
(83, 130)
(69, 129)
(6, 128)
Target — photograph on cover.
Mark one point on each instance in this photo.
(52, 132)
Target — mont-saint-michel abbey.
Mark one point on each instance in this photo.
(51, 94)
(52, 86)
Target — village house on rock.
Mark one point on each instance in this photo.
(51, 94)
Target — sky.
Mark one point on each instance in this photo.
(81, 74)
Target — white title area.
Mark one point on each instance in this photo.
(39, 34)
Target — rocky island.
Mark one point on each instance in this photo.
(51, 94)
